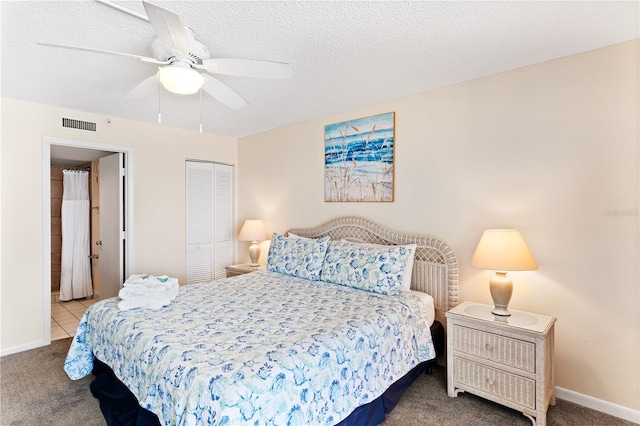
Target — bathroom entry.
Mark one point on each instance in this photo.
(106, 193)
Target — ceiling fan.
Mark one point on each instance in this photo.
(184, 62)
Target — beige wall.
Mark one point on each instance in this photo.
(550, 149)
(159, 213)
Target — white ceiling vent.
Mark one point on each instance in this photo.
(70, 123)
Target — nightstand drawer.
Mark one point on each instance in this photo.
(511, 387)
(504, 350)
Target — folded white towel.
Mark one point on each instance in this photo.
(149, 279)
(141, 290)
(147, 291)
(137, 303)
(129, 293)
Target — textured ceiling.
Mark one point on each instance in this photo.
(344, 55)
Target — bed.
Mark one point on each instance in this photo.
(277, 346)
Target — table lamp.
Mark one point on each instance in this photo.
(502, 250)
(253, 230)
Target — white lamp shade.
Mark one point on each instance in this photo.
(253, 230)
(180, 79)
(503, 250)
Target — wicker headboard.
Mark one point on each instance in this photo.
(435, 268)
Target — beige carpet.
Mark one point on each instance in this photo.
(427, 403)
(36, 391)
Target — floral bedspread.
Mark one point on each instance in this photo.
(261, 348)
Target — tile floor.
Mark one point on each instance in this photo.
(65, 317)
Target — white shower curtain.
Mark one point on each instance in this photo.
(75, 268)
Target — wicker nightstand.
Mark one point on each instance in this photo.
(243, 268)
(508, 360)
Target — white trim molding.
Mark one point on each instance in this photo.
(598, 404)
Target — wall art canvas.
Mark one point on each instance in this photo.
(358, 159)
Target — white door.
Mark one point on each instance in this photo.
(223, 220)
(111, 225)
(209, 220)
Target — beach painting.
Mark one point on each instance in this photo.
(358, 159)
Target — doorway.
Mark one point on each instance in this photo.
(113, 246)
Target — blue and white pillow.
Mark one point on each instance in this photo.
(300, 257)
(408, 270)
(379, 269)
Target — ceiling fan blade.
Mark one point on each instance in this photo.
(109, 52)
(247, 68)
(169, 28)
(145, 88)
(123, 9)
(223, 93)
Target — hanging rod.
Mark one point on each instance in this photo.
(77, 169)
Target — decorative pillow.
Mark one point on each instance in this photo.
(378, 269)
(300, 257)
(408, 270)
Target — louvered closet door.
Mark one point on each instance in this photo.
(223, 219)
(209, 220)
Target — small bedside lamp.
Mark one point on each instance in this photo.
(502, 250)
(254, 231)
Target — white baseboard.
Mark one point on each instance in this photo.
(22, 348)
(598, 405)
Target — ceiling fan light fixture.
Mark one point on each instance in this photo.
(180, 79)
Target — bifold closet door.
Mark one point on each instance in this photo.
(209, 220)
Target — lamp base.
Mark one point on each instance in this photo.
(254, 253)
(501, 288)
(500, 311)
